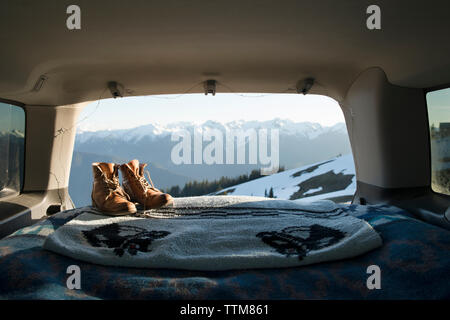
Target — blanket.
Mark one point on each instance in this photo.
(414, 261)
(217, 233)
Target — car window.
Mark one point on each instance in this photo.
(284, 146)
(12, 139)
(439, 119)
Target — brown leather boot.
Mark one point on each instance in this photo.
(107, 194)
(139, 189)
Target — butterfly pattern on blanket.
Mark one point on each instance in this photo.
(299, 240)
(217, 233)
(122, 237)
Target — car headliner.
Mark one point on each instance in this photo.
(162, 47)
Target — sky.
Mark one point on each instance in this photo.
(439, 106)
(129, 112)
(11, 118)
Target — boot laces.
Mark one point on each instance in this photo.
(144, 181)
(145, 184)
(113, 185)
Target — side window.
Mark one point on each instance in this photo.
(12, 139)
(439, 119)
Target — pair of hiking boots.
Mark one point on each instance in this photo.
(109, 197)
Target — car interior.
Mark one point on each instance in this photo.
(383, 79)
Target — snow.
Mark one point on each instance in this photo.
(313, 190)
(284, 184)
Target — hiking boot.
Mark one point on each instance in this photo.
(139, 189)
(107, 194)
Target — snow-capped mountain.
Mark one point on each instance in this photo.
(153, 131)
(333, 179)
(14, 132)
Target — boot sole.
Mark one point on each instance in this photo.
(118, 213)
(111, 213)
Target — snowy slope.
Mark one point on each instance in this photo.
(330, 179)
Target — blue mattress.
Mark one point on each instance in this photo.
(414, 262)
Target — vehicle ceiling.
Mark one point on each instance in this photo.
(162, 47)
